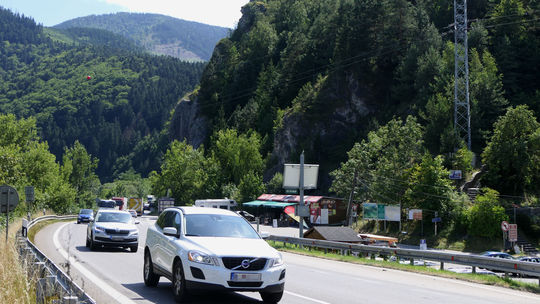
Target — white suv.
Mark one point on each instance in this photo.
(211, 249)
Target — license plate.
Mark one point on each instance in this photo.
(245, 277)
(117, 238)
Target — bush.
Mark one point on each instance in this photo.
(485, 217)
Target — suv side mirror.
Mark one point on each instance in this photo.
(264, 234)
(170, 231)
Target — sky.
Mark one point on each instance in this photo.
(224, 13)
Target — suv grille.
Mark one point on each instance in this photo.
(236, 262)
(114, 231)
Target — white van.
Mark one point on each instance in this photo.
(224, 203)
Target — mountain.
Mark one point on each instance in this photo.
(158, 34)
(83, 85)
(317, 76)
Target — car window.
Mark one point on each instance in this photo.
(86, 211)
(161, 219)
(213, 225)
(113, 217)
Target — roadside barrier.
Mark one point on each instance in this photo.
(504, 265)
(53, 285)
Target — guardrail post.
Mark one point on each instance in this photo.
(325, 250)
(46, 290)
(442, 266)
(474, 269)
(412, 261)
(40, 269)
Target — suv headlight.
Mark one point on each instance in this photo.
(276, 262)
(99, 229)
(199, 257)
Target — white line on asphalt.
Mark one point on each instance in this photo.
(305, 298)
(87, 273)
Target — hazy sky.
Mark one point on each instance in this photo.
(224, 13)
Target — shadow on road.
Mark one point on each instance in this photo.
(104, 249)
(163, 294)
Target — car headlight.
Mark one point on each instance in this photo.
(99, 229)
(277, 262)
(199, 257)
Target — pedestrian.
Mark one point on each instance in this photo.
(24, 227)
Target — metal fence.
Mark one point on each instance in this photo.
(53, 285)
(495, 264)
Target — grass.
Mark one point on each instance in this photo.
(13, 274)
(476, 278)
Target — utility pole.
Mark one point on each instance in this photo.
(349, 206)
(301, 190)
(462, 112)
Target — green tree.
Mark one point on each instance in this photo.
(511, 152)
(275, 184)
(237, 155)
(79, 168)
(383, 162)
(485, 216)
(429, 186)
(250, 187)
(186, 172)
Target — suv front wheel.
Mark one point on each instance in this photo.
(150, 278)
(179, 282)
(271, 297)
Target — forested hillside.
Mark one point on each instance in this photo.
(107, 98)
(319, 75)
(158, 34)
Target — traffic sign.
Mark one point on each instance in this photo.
(512, 233)
(9, 198)
(29, 193)
(504, 226)
(436, 220)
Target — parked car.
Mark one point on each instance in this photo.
(85, 215)
(500, 255)
(530, 259)
(113, 228)
(248, 216)
(132, 212)
(211, 249)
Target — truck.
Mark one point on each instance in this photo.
(136, 204)
(121, 202)
(224, 203)
(164, 203)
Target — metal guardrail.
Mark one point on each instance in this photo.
(53, 283)
(503, 265)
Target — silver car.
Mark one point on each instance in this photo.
(112, 228)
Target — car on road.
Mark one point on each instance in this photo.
(211, 249)
(112, 228)
(85, 215)
(248, 216)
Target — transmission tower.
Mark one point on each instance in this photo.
(462, 112)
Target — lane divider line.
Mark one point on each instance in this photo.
(87, 273)
(306, 298)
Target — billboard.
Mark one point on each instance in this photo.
(392, 213)
(415, 214)
(373, 211)
(291, 176)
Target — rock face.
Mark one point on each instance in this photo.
(318, 137)
(187, 124)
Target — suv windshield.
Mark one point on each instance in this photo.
(113, 217)
(86, 211)
(215, 225)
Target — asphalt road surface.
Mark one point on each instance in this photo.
(115, 276)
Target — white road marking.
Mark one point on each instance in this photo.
(305, 298)
(87, 273)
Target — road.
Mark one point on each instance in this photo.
(115, 276)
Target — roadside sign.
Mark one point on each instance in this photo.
(504, 226)
(436, 220)
(9, 198)
(512, 233)
(455, 174)
(29, 193)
